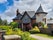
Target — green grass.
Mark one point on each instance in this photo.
(33, 38)
(44, 35)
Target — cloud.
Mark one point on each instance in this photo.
(2, 1)
(27, 5)
(22, 5)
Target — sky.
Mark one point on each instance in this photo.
(8, 7)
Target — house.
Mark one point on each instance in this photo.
(50, 25)
(29, 18)
(49, 29)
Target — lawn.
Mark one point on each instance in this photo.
(44, 35)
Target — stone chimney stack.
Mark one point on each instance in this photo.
(17, 12)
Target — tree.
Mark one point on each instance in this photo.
(0, 21)
(4, 22)
(14, 24)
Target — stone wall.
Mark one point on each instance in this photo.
(2, 33)
(46, 30)
(12, 37)
(8, 37)
(33, 21)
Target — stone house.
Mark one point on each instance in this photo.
(29, 18)
(50, 25)
(49, 30)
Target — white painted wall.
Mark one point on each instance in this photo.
(49, 21)
(40, 17)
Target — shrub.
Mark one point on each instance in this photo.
(26, 36)
(45, 26)
(42, 24)
(34, 30)
(14, 24)
(9, 32)
(18, 31)
(5, 27)
(14, 31)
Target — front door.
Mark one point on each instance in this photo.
(26, 26)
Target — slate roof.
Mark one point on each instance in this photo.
(26, 18)
(31, 13)
(40, 9)
(34, 17)
(18, 17)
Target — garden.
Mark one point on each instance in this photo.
(12, 29)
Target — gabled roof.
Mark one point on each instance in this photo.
(30, 13)
(25, 13)
(34, 17)
(26, 18)
(40, 9)
(18, 17)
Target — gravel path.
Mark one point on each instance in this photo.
(40, 38)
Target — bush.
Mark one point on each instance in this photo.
(42, 24)
(8, 29)
(18, 31)
(9, 32)
(26, 36)
(34, 30)
(5, 27)
(45, 26)
(14, 24)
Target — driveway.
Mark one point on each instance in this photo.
(39, 37)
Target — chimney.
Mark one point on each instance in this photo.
(17, 12)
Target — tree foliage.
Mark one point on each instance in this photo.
(14, 24)
(4, 22)
(0, 21)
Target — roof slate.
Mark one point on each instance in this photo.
(26, 18)
(34, 17)
(18, 17)
(40, 9)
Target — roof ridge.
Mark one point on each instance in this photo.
(25, 13)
